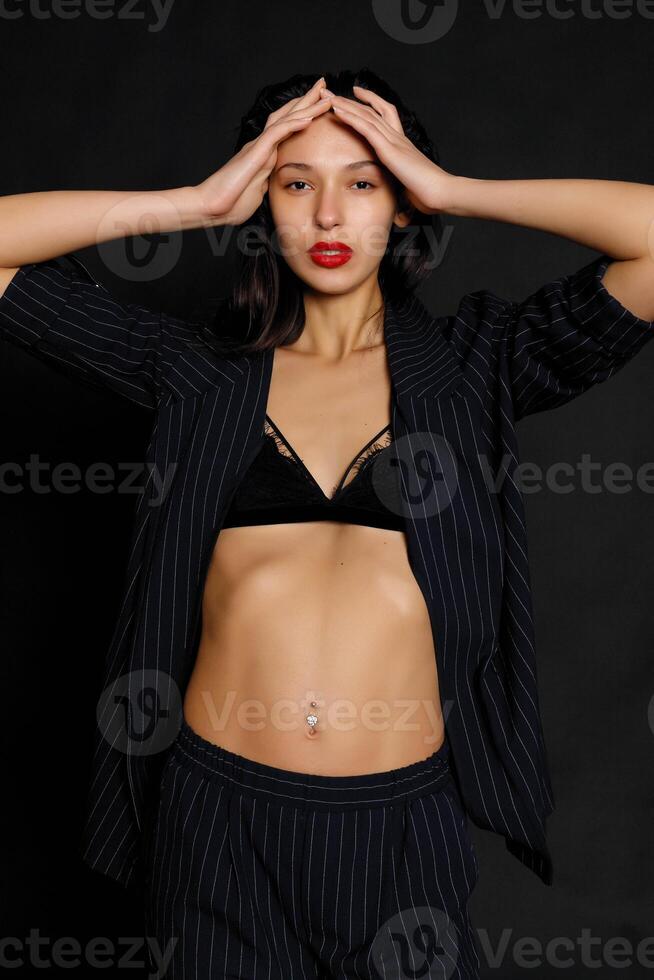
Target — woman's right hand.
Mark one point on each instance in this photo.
(233, 193)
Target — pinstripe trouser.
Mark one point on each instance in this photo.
(259, 872)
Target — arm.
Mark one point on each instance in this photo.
(570, 333)
(612, 217)
(61, 315)
(556, 343)
(45, 224)
(65, 318)
(580, 329)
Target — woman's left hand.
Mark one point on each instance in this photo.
(425, 182)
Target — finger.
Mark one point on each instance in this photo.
(285, 125)
(258, 156)
(300, 102)
(364, 125)
(386, 142)
(315, 109)
(386, 110)
(310, 96)
(356, 105)
(302, 108)
(341, 105)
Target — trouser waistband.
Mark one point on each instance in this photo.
(306, 789)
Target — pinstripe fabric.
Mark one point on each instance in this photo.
(460, 383)
(256, 871)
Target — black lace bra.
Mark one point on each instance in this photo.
(277, 487)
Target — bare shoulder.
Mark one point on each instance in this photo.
(6, 275)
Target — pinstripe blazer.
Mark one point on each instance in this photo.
(459, 385)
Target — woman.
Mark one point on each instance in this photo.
(310, 820)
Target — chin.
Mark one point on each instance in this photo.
(332, 281)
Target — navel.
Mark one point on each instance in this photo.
(312, 721)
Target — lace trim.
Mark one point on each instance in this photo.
(383, 442)
(279, 442)
(354, 468)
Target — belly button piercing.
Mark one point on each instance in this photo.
(312, 720)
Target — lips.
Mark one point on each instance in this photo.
(323, 247)
(330, 254)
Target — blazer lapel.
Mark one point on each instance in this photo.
(422, 363)
(426, 377)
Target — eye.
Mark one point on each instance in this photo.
(361, 181)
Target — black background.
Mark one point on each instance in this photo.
(93, 103)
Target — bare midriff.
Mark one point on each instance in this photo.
(324, 612)
(316, 651)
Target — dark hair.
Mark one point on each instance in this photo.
(265, 308)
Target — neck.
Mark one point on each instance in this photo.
(337, 325)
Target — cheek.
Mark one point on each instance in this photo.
(291, 237)
(289, 227)
(371, 233)
(282, 208)
(276, 209)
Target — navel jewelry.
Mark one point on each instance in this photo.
(312, 719)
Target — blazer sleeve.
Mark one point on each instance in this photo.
(65, 318)
(565, 337)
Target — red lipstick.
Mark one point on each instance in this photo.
(330, 254)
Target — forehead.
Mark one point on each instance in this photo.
(326, 143)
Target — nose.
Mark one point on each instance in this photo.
(328, 211)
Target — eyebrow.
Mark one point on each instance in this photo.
(348, 166)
